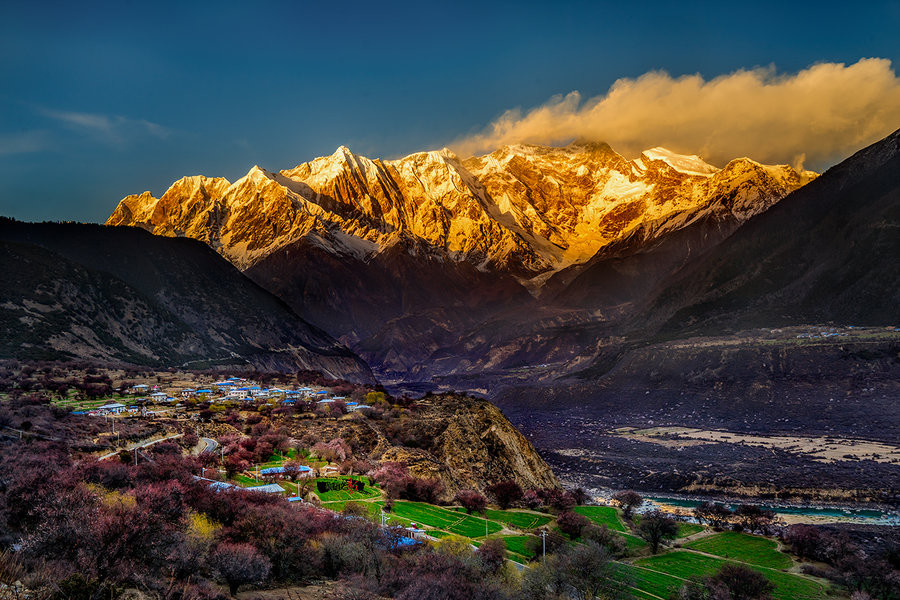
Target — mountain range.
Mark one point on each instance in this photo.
(402, 259)
(585, 293)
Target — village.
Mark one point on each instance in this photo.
(301, 446)
(233, 389)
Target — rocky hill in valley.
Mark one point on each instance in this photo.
(465, 442)
(402, 259)
(121, 295)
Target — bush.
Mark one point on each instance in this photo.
(505, 493)
(471, 500)
(656, 527)
(238, 564)
(627, 500)
(571, 523)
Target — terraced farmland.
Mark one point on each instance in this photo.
(745, 548)
(519, 519)
(603, 515)
(442, 518)
(516, 544)
(686, 564)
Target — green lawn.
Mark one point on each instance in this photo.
(441, 518)
(603, 515)
(518, 519)
(686, 564)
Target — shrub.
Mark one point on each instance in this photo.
(505, 493)
(571, 523)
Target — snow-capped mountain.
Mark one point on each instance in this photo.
(524, 210)
(432, 262)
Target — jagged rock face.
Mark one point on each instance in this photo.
(584, 197)
(524, 210)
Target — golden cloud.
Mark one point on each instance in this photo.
(820, 114)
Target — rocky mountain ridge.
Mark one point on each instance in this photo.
(524, 210)
(115, 295)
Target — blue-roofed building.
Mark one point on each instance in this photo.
(222, 485)
(271, 471)
(217, 485)
(270, 488)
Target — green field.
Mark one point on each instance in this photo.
(603, 515)
(518, 519)
(745, 548)
(370, 491)
(442, 518)
(336, 495)
(73, 403)
(633, 542)
(685, 564)
(652, 582)
(686, 529)
(438, 533)
(516, 546)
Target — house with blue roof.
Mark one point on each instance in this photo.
(269, 488)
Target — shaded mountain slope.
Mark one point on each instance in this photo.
(829, 252)
(124, 295)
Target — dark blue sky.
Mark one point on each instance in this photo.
(100, 100)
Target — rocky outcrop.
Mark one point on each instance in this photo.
(479, 446)
(465, 442)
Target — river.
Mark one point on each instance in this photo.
(871, 516)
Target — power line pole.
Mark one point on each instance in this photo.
(544, 554)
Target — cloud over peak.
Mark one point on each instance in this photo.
(820, 114)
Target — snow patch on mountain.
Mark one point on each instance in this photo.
(689, 164)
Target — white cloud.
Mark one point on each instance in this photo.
(822, 113)
(110, 128)
(23, 142)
